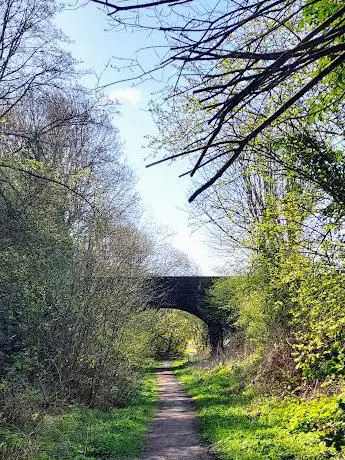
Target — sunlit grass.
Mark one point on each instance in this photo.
(242, 426)
(94, 434)
(191, 348)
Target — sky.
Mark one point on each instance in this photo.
(164, 196)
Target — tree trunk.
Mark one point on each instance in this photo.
(215, 333)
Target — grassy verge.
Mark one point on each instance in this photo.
(243, 426)
(84, 433)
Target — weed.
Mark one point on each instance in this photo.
(84, 433)
(242, 425)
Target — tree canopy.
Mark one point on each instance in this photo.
(249, 68)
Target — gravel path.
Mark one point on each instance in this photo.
(173, 434)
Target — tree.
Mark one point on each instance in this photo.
(235, 60)
(31, 58)
(71, 270)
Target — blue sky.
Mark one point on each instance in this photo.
(164, 196)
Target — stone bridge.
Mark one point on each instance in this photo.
(189, 293)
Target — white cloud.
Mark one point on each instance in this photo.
(130, 95)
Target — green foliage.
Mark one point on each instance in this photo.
(313, 16)
(83, 433)
(243, 426)
(318, 160)
(223, 300)
(318, 321)
(320, 11)
(290, 305)
(250, 310)
(71, 261)
(161, 334)
(305, 297)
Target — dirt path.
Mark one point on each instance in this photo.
(173, 433)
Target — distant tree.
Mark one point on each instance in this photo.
(167, 260)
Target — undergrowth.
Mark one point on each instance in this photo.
(84, 433)
(242, 425)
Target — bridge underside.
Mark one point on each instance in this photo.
(189, 293)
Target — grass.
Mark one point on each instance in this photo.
(84, 433)
(241, 425)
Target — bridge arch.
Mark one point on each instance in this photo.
(189, 293)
